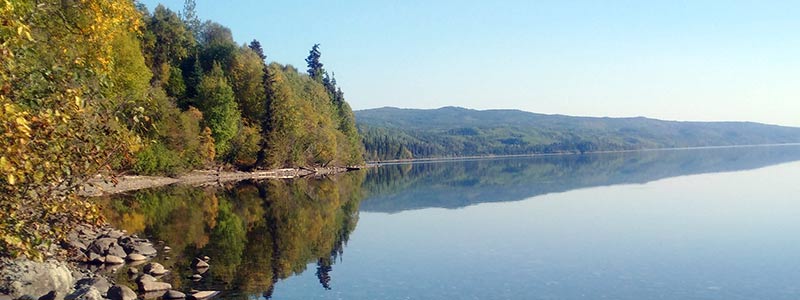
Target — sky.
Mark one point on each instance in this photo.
(673, 60)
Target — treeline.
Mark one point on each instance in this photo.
(383, 143)
(96, 86)
(206, 89)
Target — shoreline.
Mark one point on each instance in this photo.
(375, 163)
(102, 186)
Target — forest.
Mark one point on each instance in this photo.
(90, 87)
(395, 133)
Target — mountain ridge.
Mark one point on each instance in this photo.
(402, 133)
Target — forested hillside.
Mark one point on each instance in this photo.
(393, 133)
(96, 86)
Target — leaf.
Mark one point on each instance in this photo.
(11, 179)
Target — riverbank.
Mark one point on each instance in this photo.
(105, 186)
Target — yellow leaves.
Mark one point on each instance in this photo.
(11, 178)
(79, 102)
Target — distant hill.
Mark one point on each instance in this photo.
(394, 133)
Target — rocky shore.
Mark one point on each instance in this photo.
(81, 270)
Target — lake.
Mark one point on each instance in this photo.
(677, 224)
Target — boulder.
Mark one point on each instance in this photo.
(121, 292)
(196, 277)
(204, 294)
(173, 294)
(101, 245)
(85, 293)
(153, 286)
(96, 258)
(154, 268)
(114, 260)
(98, 282)
(135, 257)
(116, 250)
(198, 263)
(145, 278)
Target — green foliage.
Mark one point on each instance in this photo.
(303, 123)
(220, 112)
(247, 80)
(168, 41)
(59, 106)
(156, 159)
(452, 131)
(315, 70)
(245, 146)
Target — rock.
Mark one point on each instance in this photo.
(135, 257)
(85, 293)
(204, 294)
(79, 257)
(116, 250)
(154, 268)
(133, 270)
(101, 245)
(74, 242)
(145, 278)
(98, 282)
(114, 234)
(173, 294)
(206, 258)
(49, 296)
(96, 258)
(201, 271)
(196, 277)
(167, 249)
(197, 263)
(114, 260)
(142, 248)
(152, 286)
(5, 297)
(121, 292)
(35, 279)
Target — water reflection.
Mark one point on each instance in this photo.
(394, 188)
(255, 233)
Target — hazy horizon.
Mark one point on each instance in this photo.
(687, 61)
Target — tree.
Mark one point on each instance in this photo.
(246, 77)
(255, 45)
(315, 69)
(220, 112)
(58, 112)
(168, 42)
(190, 17)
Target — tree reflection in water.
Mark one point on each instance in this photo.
(256, 233)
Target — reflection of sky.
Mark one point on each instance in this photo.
(711, 236)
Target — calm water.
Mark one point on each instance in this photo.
(690, 224)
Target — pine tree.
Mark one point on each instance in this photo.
(256, 46)
(315, 69)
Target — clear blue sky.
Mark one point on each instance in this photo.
(675, 60)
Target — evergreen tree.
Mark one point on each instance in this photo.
(255, 45)
(315, 69)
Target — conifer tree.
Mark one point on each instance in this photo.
(256, 46)
(315, 69)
